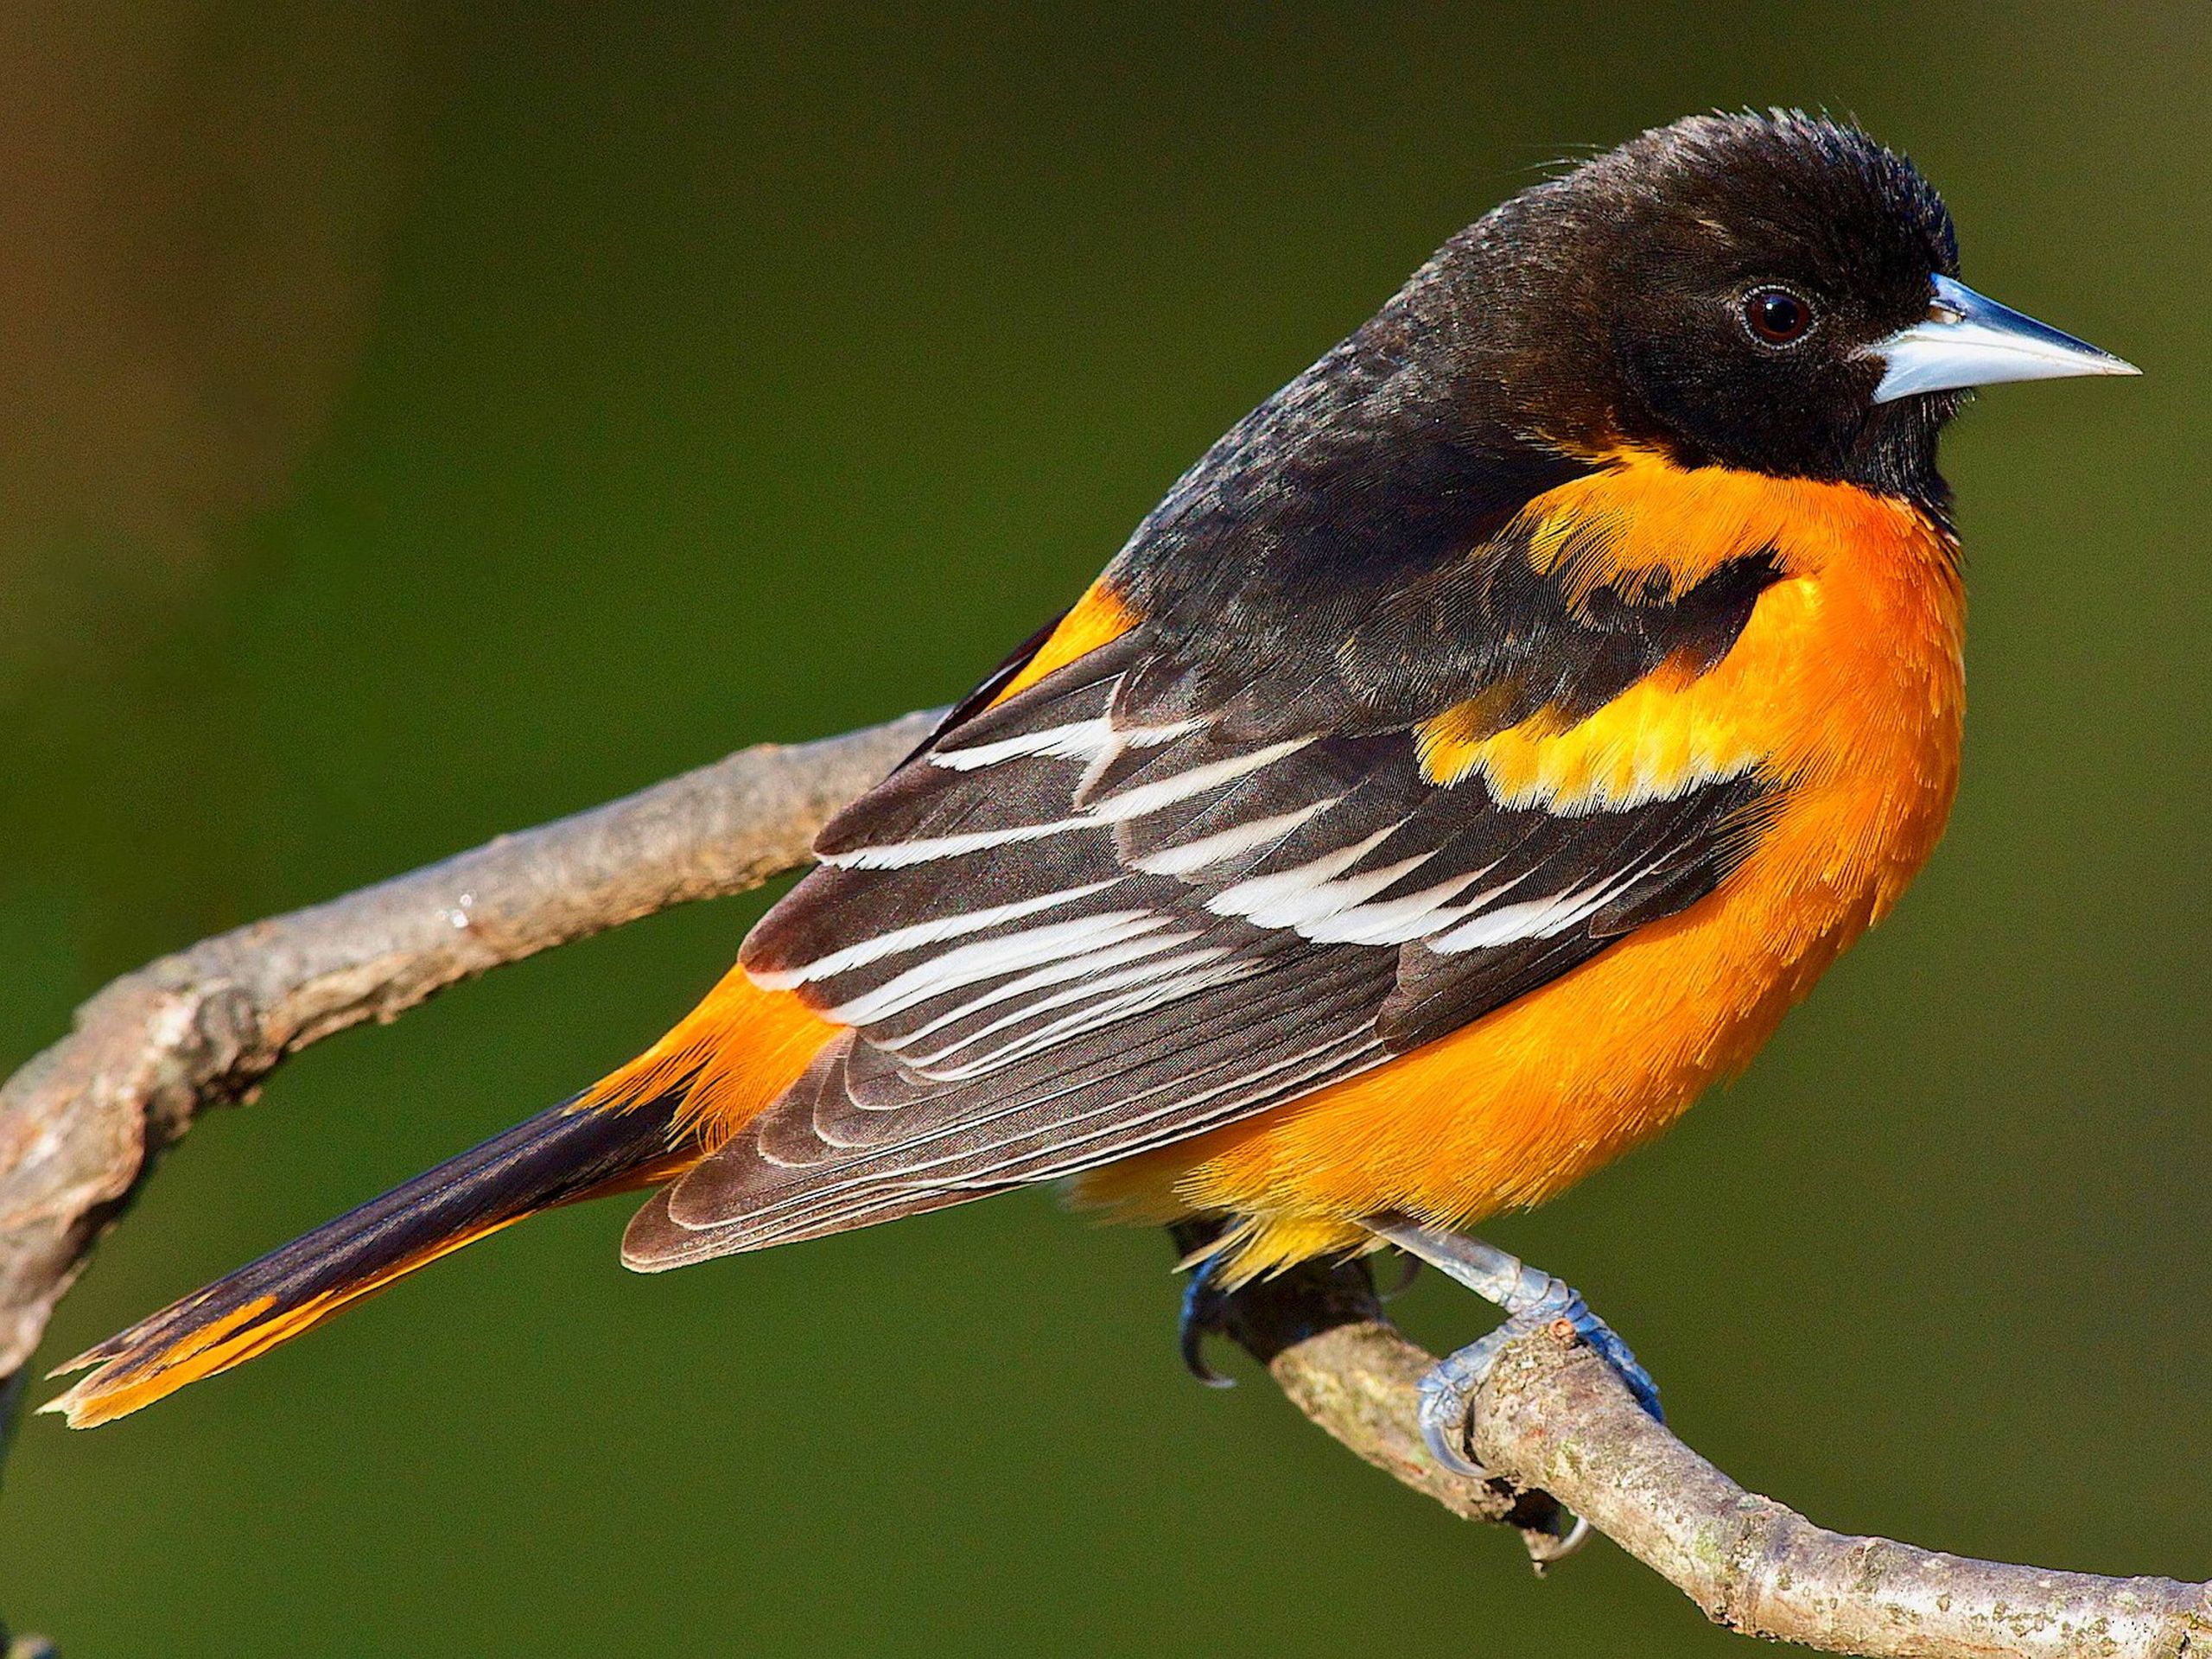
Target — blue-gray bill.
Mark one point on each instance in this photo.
(1967, 340)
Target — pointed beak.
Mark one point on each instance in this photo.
(1967, 341)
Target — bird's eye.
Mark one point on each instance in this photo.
(1776, 316)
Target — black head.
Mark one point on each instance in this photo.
(1710, 290)
(1770, 293)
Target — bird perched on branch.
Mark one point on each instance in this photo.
(1472, 758)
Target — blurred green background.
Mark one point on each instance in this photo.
(419, 421)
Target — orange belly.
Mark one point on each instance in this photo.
(1849, 677)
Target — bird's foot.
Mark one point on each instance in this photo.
(1448, 1393)
(1266, 1316)
(1532, 1300)
(1205, 1314)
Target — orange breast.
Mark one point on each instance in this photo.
(1847, 676)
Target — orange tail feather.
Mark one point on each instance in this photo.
(560, 1156)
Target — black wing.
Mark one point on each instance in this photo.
(1097, 918)
(1200, 871)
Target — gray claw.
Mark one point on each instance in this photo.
(1544, 1555)
(1530, 1298)
(1444, 1430)
(1447, 1398)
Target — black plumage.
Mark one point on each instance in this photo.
(1204, 869)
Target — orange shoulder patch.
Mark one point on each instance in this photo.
(1099, 618)
(729, 1059)
(1688, 722)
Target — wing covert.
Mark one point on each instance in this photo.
(1082, 923)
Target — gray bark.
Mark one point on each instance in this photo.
(82, 1123)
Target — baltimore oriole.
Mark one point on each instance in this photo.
(1468, 761)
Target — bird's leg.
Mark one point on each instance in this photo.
(1268, 1316)
(1531, 1299)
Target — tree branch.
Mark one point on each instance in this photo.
(82, 1124)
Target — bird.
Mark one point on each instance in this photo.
(1469, 760)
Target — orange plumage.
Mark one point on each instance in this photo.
(1850, 675)
(1848, 679)
(1469, 760)
(743, 1046)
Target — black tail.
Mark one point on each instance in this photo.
(556, 1157)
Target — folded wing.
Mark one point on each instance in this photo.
(1112, 912)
